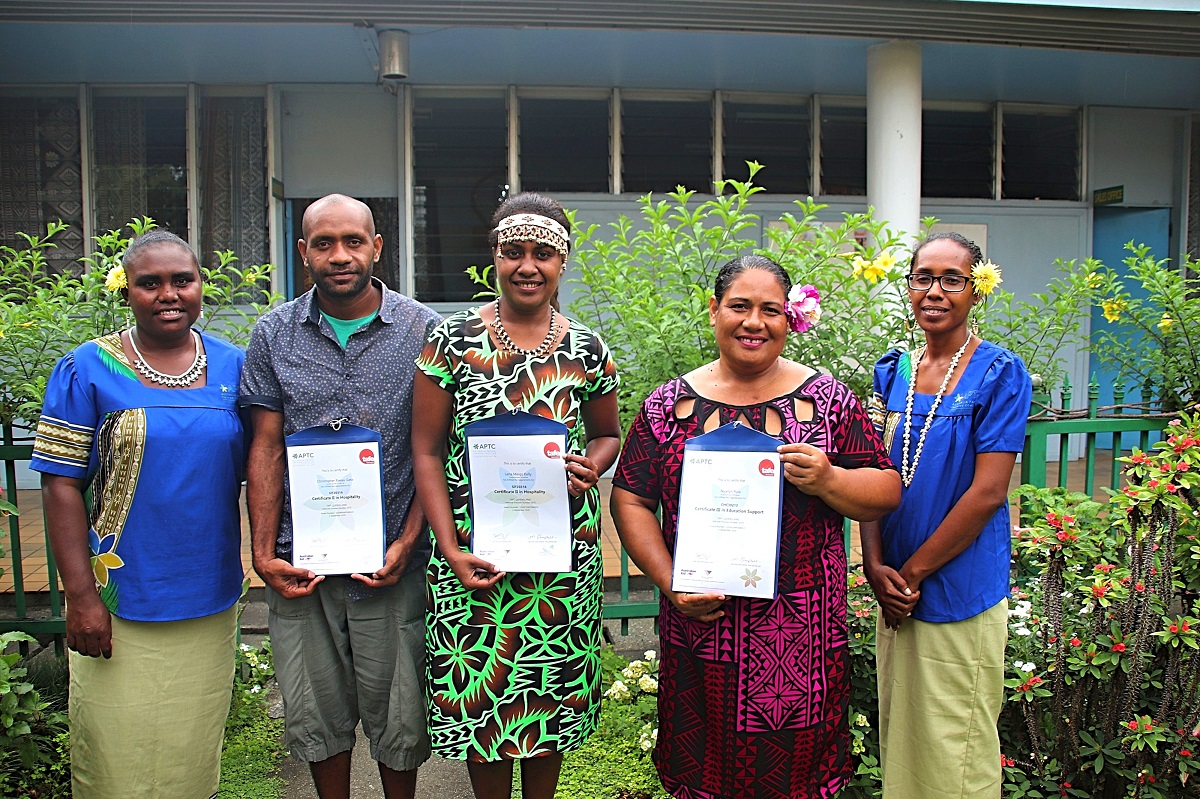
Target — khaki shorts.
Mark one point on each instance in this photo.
(339, 662)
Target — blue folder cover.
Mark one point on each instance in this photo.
(344, 433)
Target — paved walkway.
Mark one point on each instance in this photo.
(437, 778)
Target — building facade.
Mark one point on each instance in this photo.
(1043, 130)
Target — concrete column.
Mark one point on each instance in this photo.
(894, 135)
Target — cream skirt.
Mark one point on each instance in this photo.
(149, 721)
(941, 687)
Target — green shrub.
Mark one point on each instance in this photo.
(1104, 648)
(44, 315)
(29, 728)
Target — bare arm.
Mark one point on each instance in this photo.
(264, 500)
(602, 425)
(432, 410)
(641, 536)
(963, 524)
(862, 494)
(89, 624)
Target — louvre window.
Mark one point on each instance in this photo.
(666, 143)
(776, 135)
(1041, 155)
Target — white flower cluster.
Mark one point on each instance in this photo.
(618, 691)
(1026, 666)
(648, 737)
(1017, 614)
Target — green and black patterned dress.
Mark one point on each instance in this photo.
(514, 670)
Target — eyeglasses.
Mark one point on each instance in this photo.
(923, 281)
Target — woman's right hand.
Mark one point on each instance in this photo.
(474, 573)
(896, 599)
(698, 607)
(89, 626)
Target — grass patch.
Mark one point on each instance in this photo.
(250, 760)
(612, 764)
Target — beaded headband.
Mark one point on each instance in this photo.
(535, 228)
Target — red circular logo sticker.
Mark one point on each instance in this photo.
(366, 456)
(552, 451)
(766, 469)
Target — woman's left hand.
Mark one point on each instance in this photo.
(805, 467)
(581, 474)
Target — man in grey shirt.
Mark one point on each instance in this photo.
(347, 648)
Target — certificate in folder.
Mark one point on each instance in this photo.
(335, 483)
(730, 506)
(520, 509)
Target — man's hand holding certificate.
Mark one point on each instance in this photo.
(730, 504)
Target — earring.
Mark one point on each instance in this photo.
(910, 323)
(973, 320)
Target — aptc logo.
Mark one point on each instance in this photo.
(552, 451)
(766, 468)
(296, 456)
(367, 456)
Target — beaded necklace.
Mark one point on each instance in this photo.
(189, 375)
(907, 470)
(506, 343)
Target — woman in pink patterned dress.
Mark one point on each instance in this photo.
(753, 692)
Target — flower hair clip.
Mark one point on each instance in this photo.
(803, 308)
(115, 280)
(986, 276)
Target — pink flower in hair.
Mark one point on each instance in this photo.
(803, 307)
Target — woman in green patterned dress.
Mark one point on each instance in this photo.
(513, 659)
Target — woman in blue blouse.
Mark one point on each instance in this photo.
(147, 419)
(952, 414)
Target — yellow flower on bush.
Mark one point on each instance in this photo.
(876, 270)
(986, 276)
(1112, 309)
(114, 281)
(1165, 323)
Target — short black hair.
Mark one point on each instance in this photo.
(742, 263)
(155, 238)
(971, 247)
(529, 202)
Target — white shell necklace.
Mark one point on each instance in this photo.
(189, 376)
(907, 470)
(507, 344)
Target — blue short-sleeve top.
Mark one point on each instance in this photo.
(985, 412)
(165, 469)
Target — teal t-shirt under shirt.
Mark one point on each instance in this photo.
(344, 328)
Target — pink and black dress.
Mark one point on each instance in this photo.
(754, 704)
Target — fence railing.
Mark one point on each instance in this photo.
(1128, 425)
(47, 620)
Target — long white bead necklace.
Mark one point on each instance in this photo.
(506, 343)
(907, 470)
(189, 376)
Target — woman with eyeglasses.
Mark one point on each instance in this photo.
(952, 414)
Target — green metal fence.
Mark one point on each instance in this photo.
(1129, 425)
(46, 620)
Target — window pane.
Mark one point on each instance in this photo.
(956, 154)
(1041, 156)
(844, 150)
(40, 175)
(141, 161)
(778, 136)
(233, 193)
(564, 145)
(666, 143)
(460, 168)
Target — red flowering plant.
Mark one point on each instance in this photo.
(1104, 651)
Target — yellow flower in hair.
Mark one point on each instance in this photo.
(1112, 309)
(114, 281)
(986, 276)
(1165, 323)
